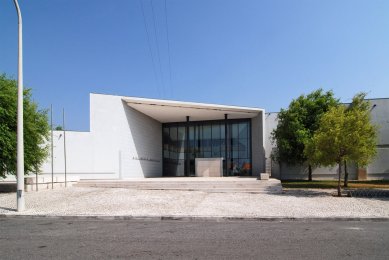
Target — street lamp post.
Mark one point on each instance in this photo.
(20, 141)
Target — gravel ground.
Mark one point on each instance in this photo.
(121, 202)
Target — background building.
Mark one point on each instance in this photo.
(378, 169)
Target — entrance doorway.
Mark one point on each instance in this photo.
(183, 142)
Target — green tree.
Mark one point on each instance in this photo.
(297, 124)
(358, 103)
(36, 129)
(346, 134)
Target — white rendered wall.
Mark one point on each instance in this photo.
(380, 116)
(379, 168)
(122, 143)
(79, 152)
(270, 123)
(121, 131)
(257, 144)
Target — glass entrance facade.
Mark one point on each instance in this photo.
(185, 141)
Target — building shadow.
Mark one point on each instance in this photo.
(147, 144)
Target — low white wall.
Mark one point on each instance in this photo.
(294, 172)
(209, 167)
(79, 153)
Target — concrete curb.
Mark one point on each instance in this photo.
(192, 218)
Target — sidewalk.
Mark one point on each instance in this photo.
(85, 201)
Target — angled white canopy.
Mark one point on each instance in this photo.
(166, 111)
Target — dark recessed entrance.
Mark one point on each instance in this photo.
(185, 141)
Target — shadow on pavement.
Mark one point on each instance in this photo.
(372, 194)
(306, 193)
(9, 209)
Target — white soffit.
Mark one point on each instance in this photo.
(166, 111)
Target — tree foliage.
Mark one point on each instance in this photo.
(36, 129)
(344, 134)
(297, 124)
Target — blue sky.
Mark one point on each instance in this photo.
(249, 53)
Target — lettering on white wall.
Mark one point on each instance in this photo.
(145, 159)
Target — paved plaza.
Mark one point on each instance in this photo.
(103, 201)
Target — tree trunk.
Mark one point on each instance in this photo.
(345, 185)
(309, 172)
(339, 176)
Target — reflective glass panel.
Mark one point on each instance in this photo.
(206, 140)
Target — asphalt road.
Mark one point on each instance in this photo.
(44, 238)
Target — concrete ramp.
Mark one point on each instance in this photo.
(223, 184)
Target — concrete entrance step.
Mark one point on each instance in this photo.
(221, 185)
(43, 182)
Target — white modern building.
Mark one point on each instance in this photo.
(133, 137)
